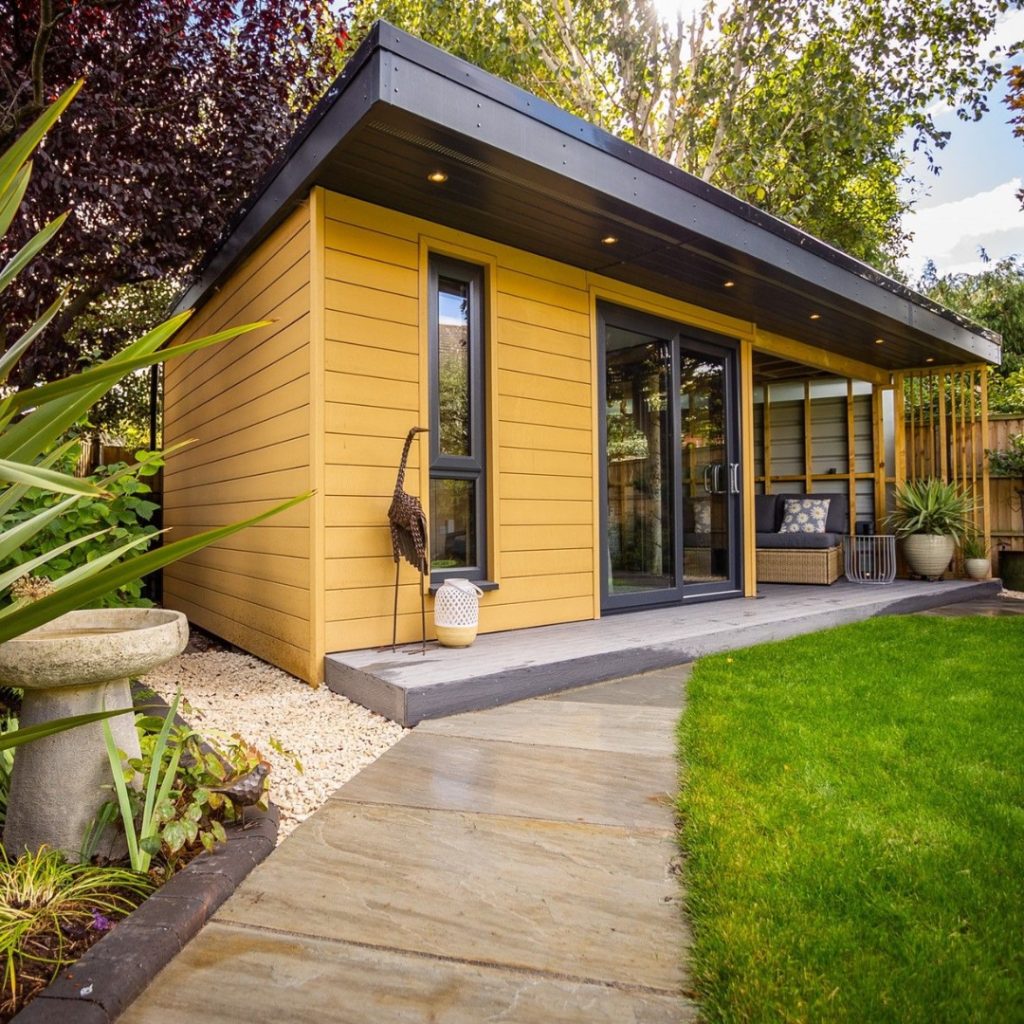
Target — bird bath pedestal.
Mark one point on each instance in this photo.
(74, 665)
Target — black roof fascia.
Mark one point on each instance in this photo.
(400, 70)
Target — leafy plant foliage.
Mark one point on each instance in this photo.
(185, 106)
(123, 513)
(930, 506)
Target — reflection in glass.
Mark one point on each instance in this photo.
(452, 524)
(639, 454)
(705, 477)
(453, 366)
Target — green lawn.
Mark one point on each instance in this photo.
(853, 824)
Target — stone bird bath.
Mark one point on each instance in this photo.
(76, 664)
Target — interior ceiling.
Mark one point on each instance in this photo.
(491, 193)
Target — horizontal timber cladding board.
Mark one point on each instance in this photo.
(291, 454)
(356, 510)
(376, 245)
(374, 392)
(528, 311)
(553, 439)
(546, 463)
(347, 357)
(515, 284)
(289, 628)
(366, 301)
(361, 481)
(368, 330)
(545, 538)
(256, 400)
(373, 602)
(372, 273)
(292, 658)
(281, 300)
(517, 384)
(538, 363)
(354, 634)
(213, 514)
(289, 570)
(544, 413)
(257, 591)
(255, 541)
(363, 450)
(540, 336)
(546, 513)
(261, 358)
(235, 439)
(343, 542)
(278, 484)
(538, 488)
(386, 425)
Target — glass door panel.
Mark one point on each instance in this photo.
(708, 476)
(640, 528)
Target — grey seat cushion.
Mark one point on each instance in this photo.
(798, 541)
(766, 513)
(838, 510)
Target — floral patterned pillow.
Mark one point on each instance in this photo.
(805, 515)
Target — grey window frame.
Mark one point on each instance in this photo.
(461, 467)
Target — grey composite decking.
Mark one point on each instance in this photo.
(407, 686)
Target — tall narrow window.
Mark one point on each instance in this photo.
(457, 509)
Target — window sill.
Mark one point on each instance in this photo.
(484, 585)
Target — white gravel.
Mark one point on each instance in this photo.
(230, 691)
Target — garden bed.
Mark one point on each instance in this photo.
(104, 982)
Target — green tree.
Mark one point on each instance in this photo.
(797, 106)
(993, 298)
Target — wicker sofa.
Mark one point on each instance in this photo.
(799, 557)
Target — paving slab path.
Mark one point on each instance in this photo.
(514, 865)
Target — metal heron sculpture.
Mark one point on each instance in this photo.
(408, 536)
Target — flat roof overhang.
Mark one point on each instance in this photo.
(525, 173)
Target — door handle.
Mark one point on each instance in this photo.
(708, 485)
(718, 478)
(734, 478)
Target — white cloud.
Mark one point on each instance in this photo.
(951, 233)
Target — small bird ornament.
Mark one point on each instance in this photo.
(248, 789)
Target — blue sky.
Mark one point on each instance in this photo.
(972, 202)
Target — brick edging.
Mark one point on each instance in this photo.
(115, 971)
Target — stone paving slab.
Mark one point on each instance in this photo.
(654, 689)
(243, 976)
(551, 783)
(531, 894)
(647, 730)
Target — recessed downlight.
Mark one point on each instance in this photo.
(815, 316)
(930, 359)
(879, 341)
(728, 284)
(437, 177)
(609, 240)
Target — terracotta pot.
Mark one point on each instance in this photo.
(978, 568)
(928, 554)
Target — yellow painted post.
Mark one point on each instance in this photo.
(943, 435)
(766, 438)
(899, 432)
(878, 454)
(986, 519)
(747, 467)
(808, 440)
(974, 453)
(851, 453)
(317, 438)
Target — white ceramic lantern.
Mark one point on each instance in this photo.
(457, 612)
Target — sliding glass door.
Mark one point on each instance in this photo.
(670, 475)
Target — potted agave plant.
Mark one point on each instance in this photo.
(977, 564)
(931, 516)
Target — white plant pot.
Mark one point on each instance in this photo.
(978, 568)
(928, 554)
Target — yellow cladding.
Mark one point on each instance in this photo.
(540, 378)
(323, 399)
(246, 404)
